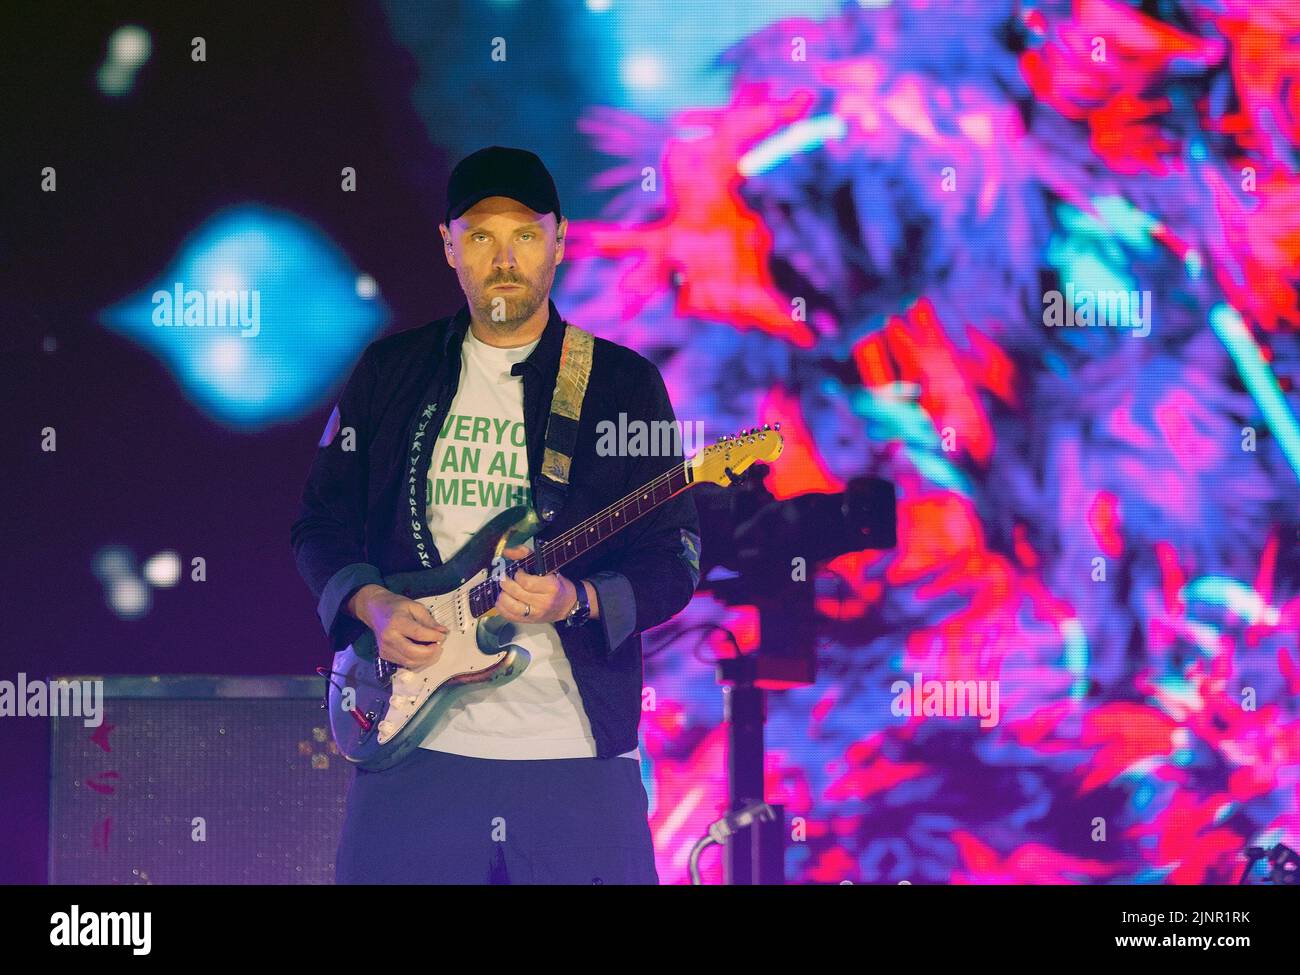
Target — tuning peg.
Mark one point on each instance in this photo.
(778, 426)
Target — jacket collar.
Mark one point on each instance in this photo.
(545, 357)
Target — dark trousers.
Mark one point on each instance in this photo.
(438, 818)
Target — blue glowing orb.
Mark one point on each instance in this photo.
(258, 317)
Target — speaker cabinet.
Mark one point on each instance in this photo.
(197, 780)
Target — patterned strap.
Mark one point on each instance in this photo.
(566, 408)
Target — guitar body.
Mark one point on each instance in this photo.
(380, 711)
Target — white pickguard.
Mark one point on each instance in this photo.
(460, 655)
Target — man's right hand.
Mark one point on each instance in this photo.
(405, 631)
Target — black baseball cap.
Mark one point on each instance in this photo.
(501, 171)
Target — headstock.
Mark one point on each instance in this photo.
(724, 461)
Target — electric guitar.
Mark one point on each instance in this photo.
(380, 711)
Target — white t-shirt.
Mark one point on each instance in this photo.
(479, 468)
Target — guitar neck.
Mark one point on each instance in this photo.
(587, 534)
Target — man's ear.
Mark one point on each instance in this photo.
(446, 243)
(561, 230)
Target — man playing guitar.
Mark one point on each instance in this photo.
(438, 429)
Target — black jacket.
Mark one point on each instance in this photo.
(362, 513)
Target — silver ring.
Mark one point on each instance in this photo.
(528, 610)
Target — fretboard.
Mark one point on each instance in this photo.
(586, 535)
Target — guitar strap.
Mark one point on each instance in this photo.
(562, 424)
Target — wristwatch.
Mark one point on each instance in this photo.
(581, 611)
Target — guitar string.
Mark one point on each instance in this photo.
(583, 526)
(576, 530)
(589, 522)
